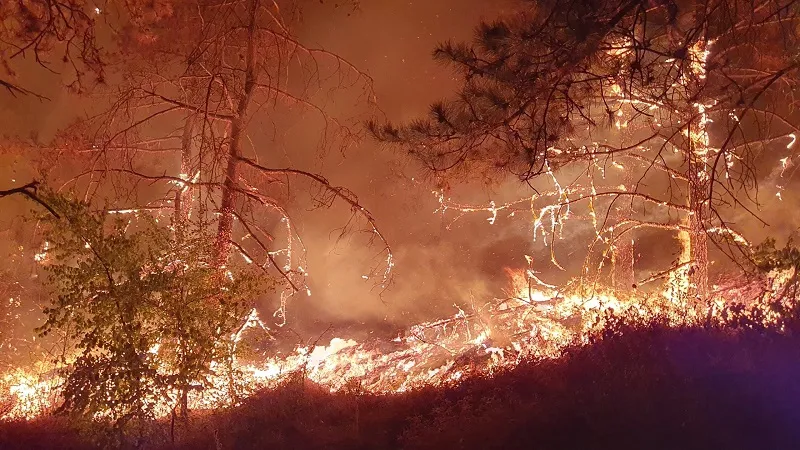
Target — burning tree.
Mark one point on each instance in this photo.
(187, 134)
(698, 88)
(209, 88)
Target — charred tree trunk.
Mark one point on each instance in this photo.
(698, 177)
(228, 203)
(692, 277)
(696, 238)
(230, 185)
(698, 241)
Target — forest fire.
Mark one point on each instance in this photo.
(530, 323)
(210, 163)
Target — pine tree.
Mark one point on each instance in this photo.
(697, 84)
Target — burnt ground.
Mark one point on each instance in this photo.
(645, 388)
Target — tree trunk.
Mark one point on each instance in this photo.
(227, 205)
(698, 241)
(184, 403)
(183, 195)
(698, 177)
(230, 186)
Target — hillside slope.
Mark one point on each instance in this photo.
(654, 388)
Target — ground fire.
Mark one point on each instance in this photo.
(528, 323)
(217, 199)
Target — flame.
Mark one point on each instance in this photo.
(42, 255)
(533, 320)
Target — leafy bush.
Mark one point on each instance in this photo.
(146, 312)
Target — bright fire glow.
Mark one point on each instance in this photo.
(531, 321)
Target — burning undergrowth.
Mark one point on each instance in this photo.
(641, 383)
(529, 323)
